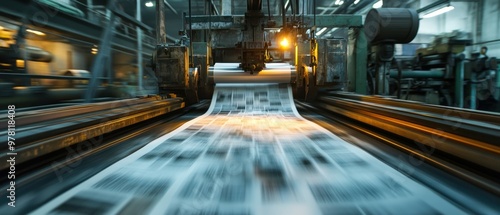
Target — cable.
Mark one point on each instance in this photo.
(314, 12)
(283, 12)
(303, 11)
(268, 10)
(190, 36)
(210, 21)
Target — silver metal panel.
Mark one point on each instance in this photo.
(332, 64)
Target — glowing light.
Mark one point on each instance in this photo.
(378, 4)
(20, 63)
(149, 4)
(39, 33)
(284, 43)
(438, 12)
(94, 50)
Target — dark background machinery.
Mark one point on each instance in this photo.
(439, 74)
(256, 39)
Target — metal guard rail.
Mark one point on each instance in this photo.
(467, 137)
(42, 132)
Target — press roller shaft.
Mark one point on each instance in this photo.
(230, 73)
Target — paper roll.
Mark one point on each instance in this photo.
(273, 73)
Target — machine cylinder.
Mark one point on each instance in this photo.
(391, 25)
(231, 73)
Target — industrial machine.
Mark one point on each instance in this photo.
(383, 33)
(254, 41)
(175, 77)
(252, 152)
(441, 74)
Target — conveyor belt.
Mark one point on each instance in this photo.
(251, 153)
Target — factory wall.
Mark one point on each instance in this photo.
(458, 19)
(465, 18)
(490, 27)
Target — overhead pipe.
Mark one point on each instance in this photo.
(432, 5)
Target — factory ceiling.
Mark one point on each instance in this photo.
(200, 7)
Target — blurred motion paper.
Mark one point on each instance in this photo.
(251, 153)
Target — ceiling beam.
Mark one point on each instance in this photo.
(331, 5)
(326, 8)
(170, 7)
(343, 8)
(236, 21)
(214, 7)
(432, 5)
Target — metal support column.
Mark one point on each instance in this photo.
(140, 71)
(497, 85)
(314, 58)
(90, 14)
(473, 91)
(360, 53)
(384, 54)
(459, 83)
(161, 33)
(381, 79)
(226, 6)
(22, 47)
(103, 56)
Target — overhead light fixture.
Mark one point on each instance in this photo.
(39, 33)
(356, 2)
(438, 11)
(321, 31)
(378, 4)
(286, 4)
(149, 4)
